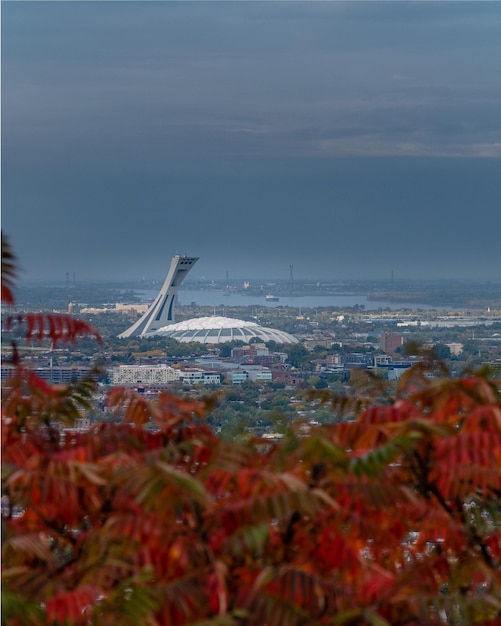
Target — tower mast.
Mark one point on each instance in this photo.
(161, 312)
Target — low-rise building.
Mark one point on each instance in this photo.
(131, 309)
(56, 375)
(197, 376)
(254, 373)
(455, 348)
(239, 377)
(382, 359)
(323, 342)
(260, 374)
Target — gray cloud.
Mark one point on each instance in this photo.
(204, 121)
(282, 69)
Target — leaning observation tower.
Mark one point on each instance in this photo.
(161, 312)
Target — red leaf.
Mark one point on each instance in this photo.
(72, 606)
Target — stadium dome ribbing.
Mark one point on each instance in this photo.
(222, 329)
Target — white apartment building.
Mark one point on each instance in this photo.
(144, 374)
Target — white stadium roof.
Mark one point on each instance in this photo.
(220, 330)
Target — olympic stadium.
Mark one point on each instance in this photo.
(216, 330)
(159, 318)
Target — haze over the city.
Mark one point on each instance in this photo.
(349, 139)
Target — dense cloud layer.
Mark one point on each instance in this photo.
(346, 138)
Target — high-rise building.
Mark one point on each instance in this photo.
(389, 342)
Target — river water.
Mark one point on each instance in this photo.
(221, 299)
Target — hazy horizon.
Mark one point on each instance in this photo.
(350, 140)
(199, 280)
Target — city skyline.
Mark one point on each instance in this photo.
(346, 139)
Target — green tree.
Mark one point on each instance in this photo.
(225, 350)
(297, 355)
(442, 351)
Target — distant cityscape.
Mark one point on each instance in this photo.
(460, 322)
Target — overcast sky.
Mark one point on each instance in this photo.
(350, 139)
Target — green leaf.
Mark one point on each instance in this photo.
(248, 540)
(16, 608)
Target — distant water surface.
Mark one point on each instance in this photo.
(218, 298)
